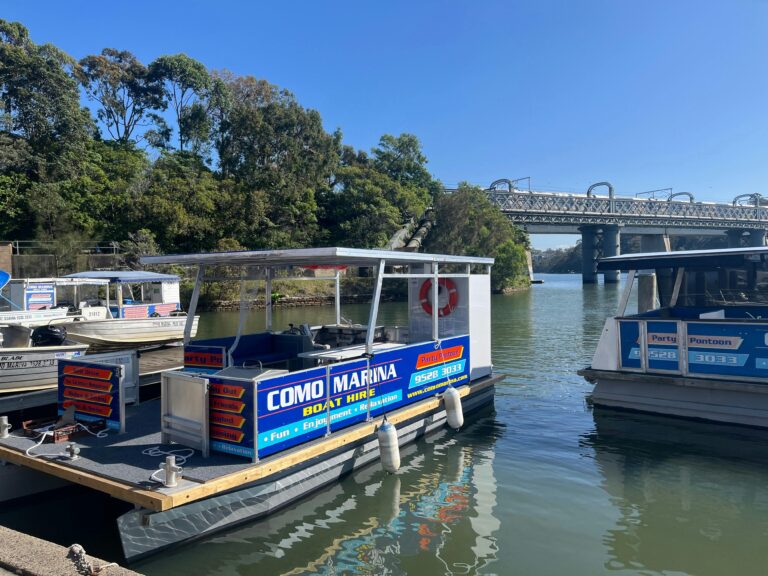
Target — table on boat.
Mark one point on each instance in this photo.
(347, 352)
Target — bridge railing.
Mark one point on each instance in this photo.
(559, 204)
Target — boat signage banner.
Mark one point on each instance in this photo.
(298, 407)
(205, 359)
(661, 340)
(271, 415)
(231, 416)
(94, 389)
(736, 349)
(39, 295)
(629, 342)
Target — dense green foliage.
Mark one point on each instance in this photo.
(171, 157)
(468, 223)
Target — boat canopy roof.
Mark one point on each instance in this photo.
(313, 257)
(65, 281)
(719, 258)
(124, 277)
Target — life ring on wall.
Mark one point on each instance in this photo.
(453, 296)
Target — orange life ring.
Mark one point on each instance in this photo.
(453, 296)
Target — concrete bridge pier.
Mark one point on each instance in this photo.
(751, 237)
(756, 238)
(589, 253)
(611, 247)
(734, 238)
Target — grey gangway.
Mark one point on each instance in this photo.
(601, 219)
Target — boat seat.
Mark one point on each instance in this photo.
(264, 348)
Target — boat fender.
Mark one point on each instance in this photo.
(389, 449)
(453, 410)
(5, 427)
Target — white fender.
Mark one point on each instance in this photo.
(453, 410)
(389, 449)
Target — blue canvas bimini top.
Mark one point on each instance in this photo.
(125, 276)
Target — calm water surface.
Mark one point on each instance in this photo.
(543, 485)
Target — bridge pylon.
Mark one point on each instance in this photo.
(599, 241)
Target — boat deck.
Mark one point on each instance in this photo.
(117, 465)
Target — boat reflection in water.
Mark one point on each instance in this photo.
(691, 496)
(435, 516)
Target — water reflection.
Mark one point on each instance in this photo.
(436, 516)
(691, 496)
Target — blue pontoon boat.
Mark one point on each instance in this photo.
(697, 346)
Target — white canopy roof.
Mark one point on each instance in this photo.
(313, 257)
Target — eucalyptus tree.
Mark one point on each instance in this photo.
(402, 160)
(356, 209)
(187, 89)
(273, 146)
(40, 101)
(128, 96)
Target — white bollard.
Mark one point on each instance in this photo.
(5, 427)
(389, 449)
(172, 472)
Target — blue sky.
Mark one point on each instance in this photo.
(646, 94)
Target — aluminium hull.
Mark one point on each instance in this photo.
(34, 318)
(126, 332)
(23, 369)
(719, 400)
(144, 533)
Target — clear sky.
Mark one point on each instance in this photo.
(646, 94)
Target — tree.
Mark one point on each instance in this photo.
(401, 158)
(187, 87)
(124, 89)
(268, 143)
(40, 103)
(469, 224)
(181, 204)
(356, 210)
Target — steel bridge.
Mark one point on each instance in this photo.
(601, 219)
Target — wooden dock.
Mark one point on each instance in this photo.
(151, 364)
(128, 478)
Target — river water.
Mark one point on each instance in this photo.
(543, 485)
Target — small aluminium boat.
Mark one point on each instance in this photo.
(29, 357)
(697, 346)
(30, 301)
(145, 311)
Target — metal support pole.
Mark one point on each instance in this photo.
(374, 308)
(337, 297)
(241, 317)
(192, 304)
(268, 299)
(435, 303)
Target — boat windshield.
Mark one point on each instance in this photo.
(741, 286)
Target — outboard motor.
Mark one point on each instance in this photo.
(51, 335)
